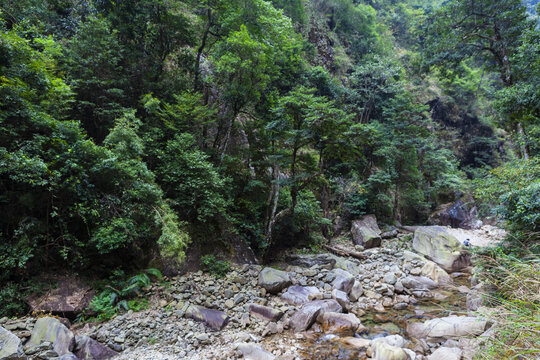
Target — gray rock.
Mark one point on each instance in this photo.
(251, 351)
(436, 273)
(337, 323)
(343, 281)
(303, 318)
(383, 351)
(356, 291)
(412, 256)
(446, 353)
(203, 338)
(457, 215)
(366, 232)
(70, 357)
(341, 298)
(264, 312)
(398, 287)
(69, 296)
(274, 280)
(438, 245)
(299, 295)
(326, 261)
(450, 327)
(214, 319)
(51, 330)
(418, 283)
(10, 346)
(393, 340)
(390, 278)
(89, 349)
(347, 265)
(389, 234)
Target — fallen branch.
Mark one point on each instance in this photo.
(343, 252)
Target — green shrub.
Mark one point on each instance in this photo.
(120, 295)
(12, 300)
(513, 191)
(216, 267)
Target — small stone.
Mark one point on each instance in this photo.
(390, 278)
(203, 338)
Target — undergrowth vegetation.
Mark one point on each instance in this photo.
(215, 266)
(120, 294)
(516, 302)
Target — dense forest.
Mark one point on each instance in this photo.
(134, 132)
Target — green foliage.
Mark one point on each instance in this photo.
(520, 102)
(513, 190)
(12, 300)
(294, 9)
(93, 67)
(80, 200)
(489, 29)
(218, 268)
(516, 302)
(174, 239)
(129, 129)
(120, 295)
(197, 189)
(355, 23)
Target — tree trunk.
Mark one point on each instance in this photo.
(201, 49)
(397, 215)
(522, 141)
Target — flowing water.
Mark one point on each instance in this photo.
(319, 346)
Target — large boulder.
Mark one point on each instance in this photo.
(418, 283)
(436, 273)
(325, 260)
(343, 281)
(347, 265)
(356, 291)
(89, 349)
(303, 318)
(274, 280)
(68, 297)
(457, 215)
(383, 351)
(299, 295)
(342, 298)
(337, 323)
(264, 312)
(393, 340)
(451, 327)
(438, 245)
(10, 346)
(214, 319)
(366, 232)
(251, 351)
(48, 329)
(446, 353)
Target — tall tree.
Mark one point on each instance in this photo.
(308, 131)
(488, 30)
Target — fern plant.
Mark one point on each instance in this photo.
(123, 295)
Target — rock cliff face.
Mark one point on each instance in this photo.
(457, 215)
(474, 143)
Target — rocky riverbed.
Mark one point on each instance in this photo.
(393, 303)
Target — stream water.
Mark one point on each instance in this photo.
(319, 346)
